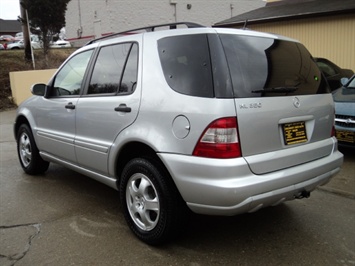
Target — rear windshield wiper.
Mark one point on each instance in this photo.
(277, 90)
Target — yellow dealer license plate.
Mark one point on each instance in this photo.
(345, 136)
(294, 133)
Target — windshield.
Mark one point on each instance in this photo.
(346, 93)
(351, 84)
(270, 67)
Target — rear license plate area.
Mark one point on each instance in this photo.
(294, 133)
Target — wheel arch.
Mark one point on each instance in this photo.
(132, 150)
(20, 120)
(24, 115)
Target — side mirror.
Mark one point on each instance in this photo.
(39, 89)
(344, 81)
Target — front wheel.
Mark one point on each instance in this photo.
(151, 203)
(31, 162)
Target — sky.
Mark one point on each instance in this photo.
(9, 9)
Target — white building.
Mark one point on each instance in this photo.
(86, 19)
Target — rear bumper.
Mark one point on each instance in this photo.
(228, 187)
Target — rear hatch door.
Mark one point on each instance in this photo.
(285, 112)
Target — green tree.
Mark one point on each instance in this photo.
(46, 18)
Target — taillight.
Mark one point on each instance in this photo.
(333, 132)
(219, 140)
(333, 128)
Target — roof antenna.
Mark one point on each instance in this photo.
(245, 24)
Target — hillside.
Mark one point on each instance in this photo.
(13, 60)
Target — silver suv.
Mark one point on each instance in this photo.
(216, 121)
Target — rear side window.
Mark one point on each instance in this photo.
(115, 69)
(269, 67)
(186, 64)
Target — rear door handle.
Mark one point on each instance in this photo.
(70, 106)
(123, 108)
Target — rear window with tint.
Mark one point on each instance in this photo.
(269, 67)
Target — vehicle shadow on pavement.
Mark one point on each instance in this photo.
(348, 152)
(72, 189)
(265, 224)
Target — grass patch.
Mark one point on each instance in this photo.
(13, 60)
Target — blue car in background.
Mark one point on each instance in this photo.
(344, 99)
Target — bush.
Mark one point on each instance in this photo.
(13, 60)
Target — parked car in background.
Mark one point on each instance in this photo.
(37, 44)
(15, 45)
(60, 44)
(220, 121)
(332, 72)
(344, 99)
(19, 44)
(9, 42)
(19, 36)
(6, 38)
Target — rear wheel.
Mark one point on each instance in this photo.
(28, 154)
(152, 205)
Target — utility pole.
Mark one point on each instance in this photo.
(25, 31)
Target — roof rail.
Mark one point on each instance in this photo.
(149, 29)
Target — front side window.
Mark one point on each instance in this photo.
(69, 79)
(115, 70)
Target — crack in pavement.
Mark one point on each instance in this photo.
(9, 254)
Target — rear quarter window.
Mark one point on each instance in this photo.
(186, 64)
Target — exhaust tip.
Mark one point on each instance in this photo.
(303, 194)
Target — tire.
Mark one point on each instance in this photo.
(152, 206)
(28, 153)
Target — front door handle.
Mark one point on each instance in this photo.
(70, 106)
(123, 108)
